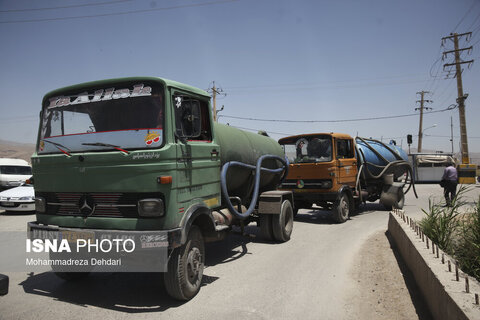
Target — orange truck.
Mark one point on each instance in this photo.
(337, 172)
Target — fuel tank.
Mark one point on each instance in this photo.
(247, 147)
(377, 155)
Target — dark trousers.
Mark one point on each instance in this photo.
(449, 191)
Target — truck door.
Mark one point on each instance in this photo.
(198, 158)
(346, 162)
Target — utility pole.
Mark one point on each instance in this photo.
(466, 169)
(461, 97)
(420, 126)
(215, 91)
(451, 132)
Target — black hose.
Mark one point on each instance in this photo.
(258, 169)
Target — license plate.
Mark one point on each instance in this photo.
(7, 204)
(73, 236)
(43, 234)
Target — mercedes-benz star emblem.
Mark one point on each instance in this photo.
(86, 205)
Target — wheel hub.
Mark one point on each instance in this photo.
(194, 263)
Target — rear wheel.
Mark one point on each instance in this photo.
(282, 224)
(185, 267)
(341, 208)
(266, 226)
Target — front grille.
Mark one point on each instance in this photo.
(101, 204)
(307, 184)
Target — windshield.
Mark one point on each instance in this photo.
(308, 149)
(127, 116)
(19, 170)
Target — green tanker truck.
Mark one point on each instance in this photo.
(143, 156)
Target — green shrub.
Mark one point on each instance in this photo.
(467, 248)
(457, 235)
(441, 223)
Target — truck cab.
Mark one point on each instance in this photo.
(140, 158)
(323, 170)
(337, 172)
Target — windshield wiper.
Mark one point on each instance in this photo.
(59, 147)
(101, 144)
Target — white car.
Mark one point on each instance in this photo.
(13, 172)
(21, 198)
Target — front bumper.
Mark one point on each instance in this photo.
(17, 206)
(170, 238)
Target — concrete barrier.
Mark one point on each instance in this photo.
(446, 297)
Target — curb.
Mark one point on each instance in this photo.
(449, 295)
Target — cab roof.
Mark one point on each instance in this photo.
(332, 134)
(104, 83)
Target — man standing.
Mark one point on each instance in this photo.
(449, 179)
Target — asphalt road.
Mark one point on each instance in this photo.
(308, 277)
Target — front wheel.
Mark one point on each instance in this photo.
(341, 209)
(185, 267)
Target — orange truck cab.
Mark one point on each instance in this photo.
(327, 170)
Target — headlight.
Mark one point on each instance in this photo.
(40, 205)
(30, 198)
(327, 184)
(151, 208)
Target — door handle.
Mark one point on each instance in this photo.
(214, 154)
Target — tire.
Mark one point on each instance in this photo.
(341, 209)
(185, 267)
(295, 211)
(266, 227)
(282, 224)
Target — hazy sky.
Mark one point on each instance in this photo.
(282, 60)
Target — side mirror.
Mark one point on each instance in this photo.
(3, 284)
(187, 117)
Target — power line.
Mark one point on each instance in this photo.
(258, 90)
(66, 7)
(465, 15)
(440, 136)
(333, 121)
(473, 23)
(203, 4)
(409, 76)
(268, 131)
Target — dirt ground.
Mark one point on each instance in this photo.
(383, 286)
